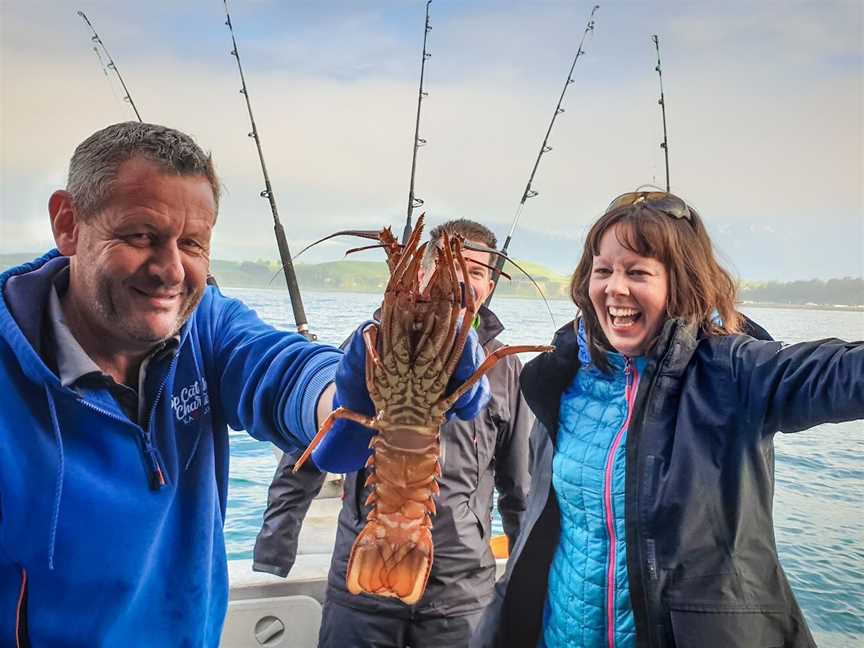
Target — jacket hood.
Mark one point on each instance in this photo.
(23, 295)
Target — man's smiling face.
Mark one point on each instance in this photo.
(479, 273)
(140, 263)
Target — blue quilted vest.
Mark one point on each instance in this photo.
(588, 600)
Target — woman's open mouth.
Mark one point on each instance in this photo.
(622, 317)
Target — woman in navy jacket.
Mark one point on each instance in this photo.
(650, 517)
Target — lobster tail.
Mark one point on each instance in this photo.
(379, 565)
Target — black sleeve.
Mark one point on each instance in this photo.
(512, 477)
(288, 501)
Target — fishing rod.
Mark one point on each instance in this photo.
(105, 72)
(111, 65)
(662, 101)
(281, 241)
(544, 148)
(413, 201)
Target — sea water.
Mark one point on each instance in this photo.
(819, 473)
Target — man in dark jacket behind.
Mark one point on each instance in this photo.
(474, 454)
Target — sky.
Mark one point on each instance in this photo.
(764, 110)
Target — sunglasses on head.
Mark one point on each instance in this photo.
(661, 201)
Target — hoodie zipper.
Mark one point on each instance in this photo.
(152, 463)
(632, 383)
(155, 474)
(157, 477)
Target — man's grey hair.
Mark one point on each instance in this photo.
(95, 162)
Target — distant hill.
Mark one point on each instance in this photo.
(848, 291)
(371, 276)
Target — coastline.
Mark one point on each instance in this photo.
(849, 308)
(367, 277)
(852, 308)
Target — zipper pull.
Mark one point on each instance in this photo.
(157, 479)
(628, 366)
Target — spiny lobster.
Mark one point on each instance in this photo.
(410, 358)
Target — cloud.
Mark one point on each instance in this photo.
(764, 106)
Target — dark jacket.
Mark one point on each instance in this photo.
(476, 457)
(701, 558)
(288, 501)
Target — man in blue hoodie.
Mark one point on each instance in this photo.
(120, 372)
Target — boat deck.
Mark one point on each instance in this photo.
(266, 610)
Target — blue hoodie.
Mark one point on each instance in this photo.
(95, 549)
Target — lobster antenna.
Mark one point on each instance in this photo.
(662, 101)
(111, 65)
(414, 201)
(544, 148)
(281, 241)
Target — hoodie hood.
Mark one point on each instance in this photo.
(23, 298)
(24, 292)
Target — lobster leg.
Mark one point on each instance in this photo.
(456, 336)
(490, 361)
(370, 337)
(465, 329)
(402, 269)
(335, 415)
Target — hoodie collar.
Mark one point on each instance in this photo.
(72, 361)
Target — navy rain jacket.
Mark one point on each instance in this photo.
(701, 556)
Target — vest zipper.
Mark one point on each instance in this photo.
(631, 385)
